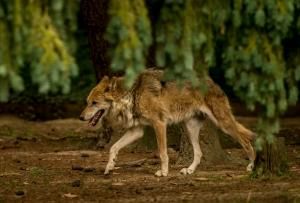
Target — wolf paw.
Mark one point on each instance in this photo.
(109, 167)
(161, 173)
(250, 167)
(186, 171)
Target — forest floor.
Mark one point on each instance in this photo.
(56, 161)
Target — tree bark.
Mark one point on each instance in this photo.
(95, 15)
(209, 143)
(272, 160)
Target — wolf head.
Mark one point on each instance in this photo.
(101, 98)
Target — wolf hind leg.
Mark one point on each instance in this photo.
(129, 137)
(193, 127)
(244, 136)
(222, 116)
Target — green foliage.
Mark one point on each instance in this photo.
(249, 39)
(37, 36)
(129, 32)
(9, 57)
(185, 36)
(255, 60)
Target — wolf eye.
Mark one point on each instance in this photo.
(94, 102)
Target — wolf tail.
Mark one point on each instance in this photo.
(227, 123)
(245, 133)
(219, 111)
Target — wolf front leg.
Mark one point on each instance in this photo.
(193, 127)
(161, 137)
(129, 137)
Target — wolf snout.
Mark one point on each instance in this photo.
(81, 117)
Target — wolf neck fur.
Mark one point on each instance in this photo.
(122, 111)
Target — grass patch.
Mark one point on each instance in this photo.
(36, 171)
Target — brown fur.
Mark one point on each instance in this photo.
(155, 102)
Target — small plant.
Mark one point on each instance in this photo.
(36, 171)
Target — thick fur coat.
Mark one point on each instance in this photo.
(158, 103)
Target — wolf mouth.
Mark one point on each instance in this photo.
(94, 120)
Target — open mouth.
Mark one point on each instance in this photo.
(94, 120)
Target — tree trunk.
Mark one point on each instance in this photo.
(272, 160)
(95, 18)
(95, 15)
(209, 143)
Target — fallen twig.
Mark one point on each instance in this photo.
(135, 163)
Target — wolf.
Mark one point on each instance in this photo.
(156, 102)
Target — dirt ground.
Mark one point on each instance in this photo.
(56, 161)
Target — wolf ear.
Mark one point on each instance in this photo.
(105, 78)
(114, 83)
